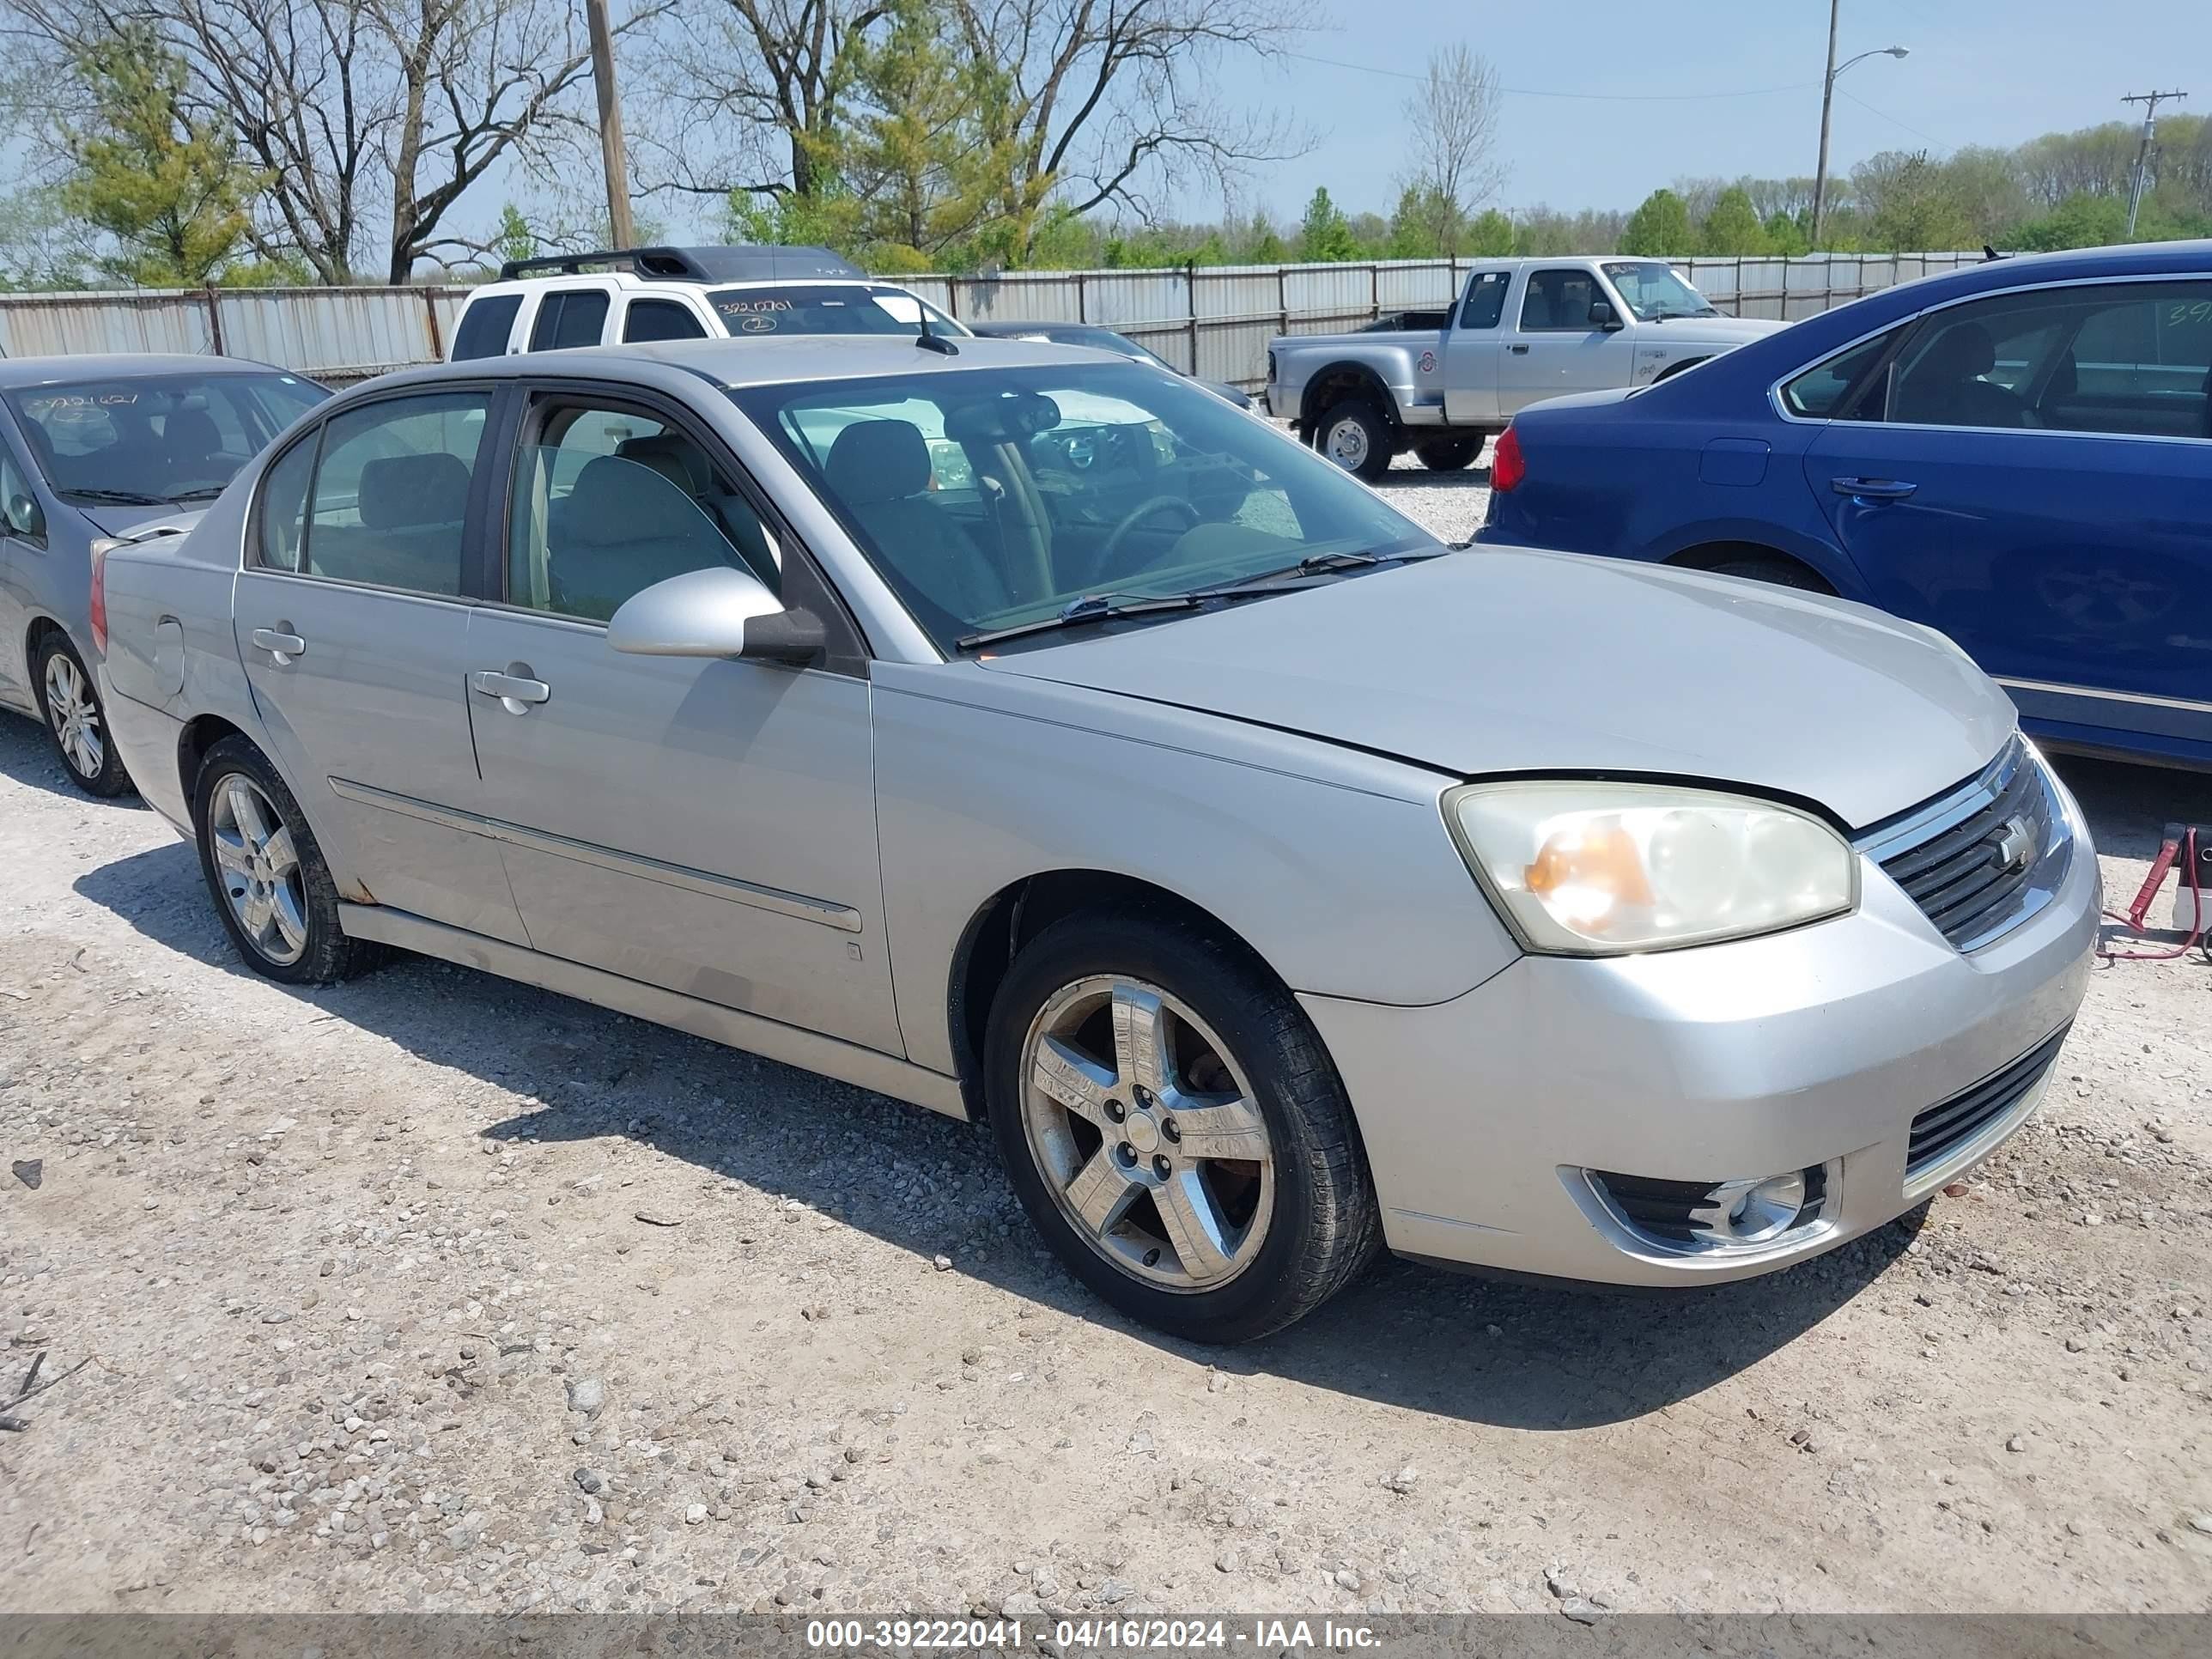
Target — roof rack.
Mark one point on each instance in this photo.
(695, 265)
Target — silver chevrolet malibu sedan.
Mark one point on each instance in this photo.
(1025, 733)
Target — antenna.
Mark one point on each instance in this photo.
(927, 340)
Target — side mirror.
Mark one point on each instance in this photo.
(718, 613)
(26, 518)
(1602, 315)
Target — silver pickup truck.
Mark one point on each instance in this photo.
(1522, 330)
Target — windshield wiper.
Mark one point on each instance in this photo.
(1090, 608)
(1314, 564)
(116, 497)
(206, 493)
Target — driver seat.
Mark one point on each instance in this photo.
(880, 470)
(1946, 388)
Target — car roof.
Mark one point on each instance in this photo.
(755, 262)
(730, 364)
(16, 373)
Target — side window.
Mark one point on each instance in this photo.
(574, 317)
(1819, 394)
(17, 503)
(284, 512)
(608, 501)
(392, 491)
(1559, 302)
(660, 319)
(1485, 300)
(485, 326)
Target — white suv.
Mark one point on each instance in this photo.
(682, 294)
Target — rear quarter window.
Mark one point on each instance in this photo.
(485, 326)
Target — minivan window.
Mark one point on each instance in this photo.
(569, 317)
(155, 439)
(391, 492)
(485, 326)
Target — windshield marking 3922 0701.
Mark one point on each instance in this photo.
(994, 499)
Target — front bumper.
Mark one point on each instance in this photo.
(1810, 1050)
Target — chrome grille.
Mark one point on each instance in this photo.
(1942, 1128)
(1983, 858)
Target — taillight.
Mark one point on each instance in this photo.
(1507, 468)
(100, 597)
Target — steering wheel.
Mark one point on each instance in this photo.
(1103, 563)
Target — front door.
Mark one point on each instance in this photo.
(2033, 476)
(22, 549)
(354, 632)
(1554, 348)
(1471, 346)
(707, 826)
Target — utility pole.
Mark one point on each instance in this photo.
(2150, 101)
(611, 131)
(1827, 101)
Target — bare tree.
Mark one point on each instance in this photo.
(1454, 115)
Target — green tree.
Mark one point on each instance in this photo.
(1660, 227)
(1325, 235)
(168, 188)
(1489, 236)
(1785, 236)
(515, 239)
(1732, 226)
(1912, 204)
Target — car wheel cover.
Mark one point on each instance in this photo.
(73, 711)
(1347, 444)
(1147, 1134)
(257, 867)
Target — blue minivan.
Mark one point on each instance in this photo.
(2018, 454)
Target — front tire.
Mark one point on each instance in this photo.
(76, 719)
(1173, 1127)
(1448, 454)
(1354, 434)
(271, 884)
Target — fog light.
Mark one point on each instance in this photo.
(1751, 1212)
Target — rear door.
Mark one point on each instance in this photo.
(1554, 348)
(1472, 349)
(707, 826)
(353, 627)
(2032, 474)
(570, 314)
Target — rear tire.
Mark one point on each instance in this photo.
(76, 720)
(271, 886)
(1354, 434)
(1448, 454)
(1286, 1212)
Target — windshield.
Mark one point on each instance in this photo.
(992, 497)
(824, 308)
(155, 439)
(1654, 292)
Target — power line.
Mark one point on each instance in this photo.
(1892, 119)
(1538, 91)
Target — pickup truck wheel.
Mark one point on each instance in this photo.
(1448, 454)
(1175, 1129)
(1357, 437)
(271, 884)
(74, 719)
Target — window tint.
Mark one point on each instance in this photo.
(2132, 358)
(1485, 300)
(392, 492)
(14, 491)
(1818, 393)
(485, 326)
(824, 308)
(660, 319)
(285, 507)
(576, 317)
(1559, 300)
(609, 501)
(165, 437)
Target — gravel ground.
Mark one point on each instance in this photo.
(433, 1291)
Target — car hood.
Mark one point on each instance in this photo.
(1716, 330)
(137, 523)
(1511, 661)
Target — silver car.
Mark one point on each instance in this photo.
(1026, 733)
(95, 449)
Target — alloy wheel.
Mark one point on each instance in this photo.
(1147, 1132)
(74, 712)
(259, 868)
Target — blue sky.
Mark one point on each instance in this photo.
(1981, 72)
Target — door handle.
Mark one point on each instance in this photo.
(1519, 350)
(279, 642)
(1873, 489)
(516, 692)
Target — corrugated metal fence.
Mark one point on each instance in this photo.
(1213, 321)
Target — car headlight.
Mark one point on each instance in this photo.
(1600, 869)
